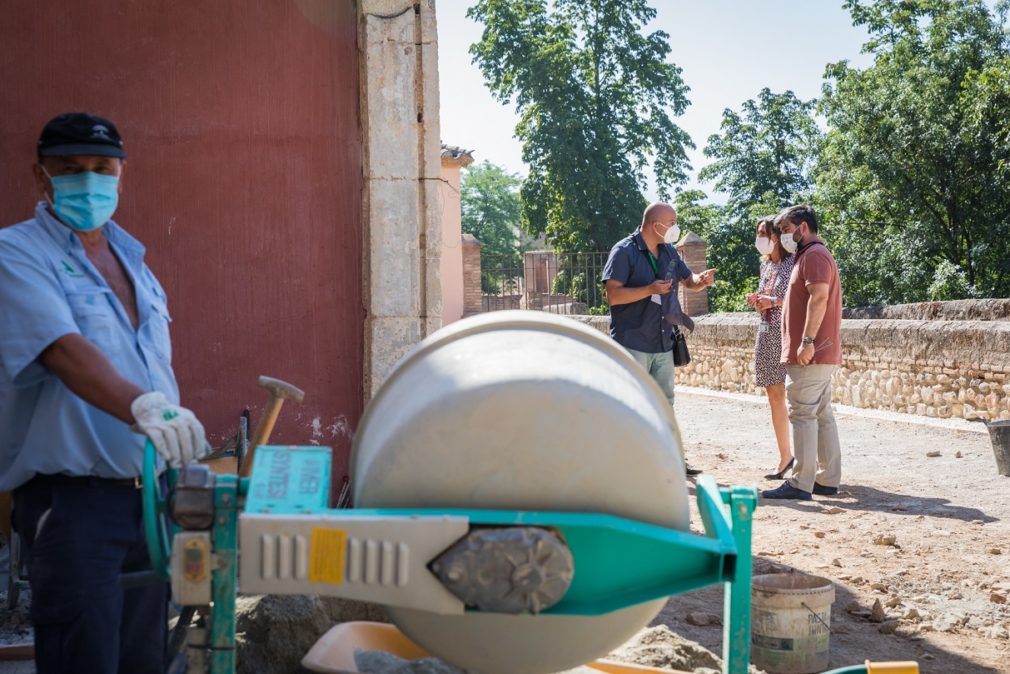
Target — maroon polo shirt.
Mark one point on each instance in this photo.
(814, 264)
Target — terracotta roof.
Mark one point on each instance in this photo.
(452, 154)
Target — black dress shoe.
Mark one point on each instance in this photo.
(691, 472)
(782, 473)
(786, 490)
(821, 490)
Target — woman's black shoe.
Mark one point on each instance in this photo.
(782, 473)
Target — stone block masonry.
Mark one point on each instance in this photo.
(402, 209)
(938, 368)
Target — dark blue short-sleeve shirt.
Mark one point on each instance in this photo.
(640, 325)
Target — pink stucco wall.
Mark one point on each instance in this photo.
(452, 248)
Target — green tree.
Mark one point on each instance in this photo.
(489, 203)
(763, 158)
(730, 239)
(765, 152)
(596, 98)
(912, 175)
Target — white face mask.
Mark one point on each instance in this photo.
(764, 245)
(672, 234)
(788, 243)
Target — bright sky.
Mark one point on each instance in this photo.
(728, 50)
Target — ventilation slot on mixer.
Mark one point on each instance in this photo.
(374, 562)
(284, 557)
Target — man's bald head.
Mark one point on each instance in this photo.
(660, 212)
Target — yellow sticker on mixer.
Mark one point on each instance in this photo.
(326, 556)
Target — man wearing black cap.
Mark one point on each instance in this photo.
(85, 375)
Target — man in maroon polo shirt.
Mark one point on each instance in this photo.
(811, 350)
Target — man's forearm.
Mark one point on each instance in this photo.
(815, 314)
(625, 295)
(694, 282)
(85, 370)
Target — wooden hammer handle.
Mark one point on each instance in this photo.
(262, 433)
(266, 425)
(279, 392)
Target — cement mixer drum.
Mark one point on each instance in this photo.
(521, 411)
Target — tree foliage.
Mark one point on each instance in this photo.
(489, 204)
(765, 152)
(596, 98)
(913, 174)
(763, 159)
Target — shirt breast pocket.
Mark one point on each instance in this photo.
(96, 318)
(161, 341)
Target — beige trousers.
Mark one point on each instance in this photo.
(815, 435)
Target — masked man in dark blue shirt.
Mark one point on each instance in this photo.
(641, 269)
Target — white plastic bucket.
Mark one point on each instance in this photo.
(528, 411)
(790, 623)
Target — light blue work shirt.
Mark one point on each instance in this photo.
(48, 289)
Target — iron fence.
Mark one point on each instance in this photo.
(560, 283)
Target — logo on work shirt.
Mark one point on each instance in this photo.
(70, 271)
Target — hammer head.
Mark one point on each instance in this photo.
(281, 389)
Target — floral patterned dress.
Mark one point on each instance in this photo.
(768, 345)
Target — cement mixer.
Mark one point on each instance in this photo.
(519, 506)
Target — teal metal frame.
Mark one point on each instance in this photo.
(224, 576)
(619, 562)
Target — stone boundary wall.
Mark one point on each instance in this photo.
(956, 310)
(939, 368)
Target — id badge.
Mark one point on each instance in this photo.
(763, 327)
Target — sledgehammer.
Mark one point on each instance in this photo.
(279, 392)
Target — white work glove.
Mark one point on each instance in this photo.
(174, 431)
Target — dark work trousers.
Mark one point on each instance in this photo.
(81, 534)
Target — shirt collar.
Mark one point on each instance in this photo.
(807, 246)
(68, 241)
(640, 242)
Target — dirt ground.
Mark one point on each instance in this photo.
(942, 580)
(945, 577)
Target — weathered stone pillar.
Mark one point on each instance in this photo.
(694, 250)
(472, 303)
(401, 243)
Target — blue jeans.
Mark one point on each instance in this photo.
(80, 536)
(660, 368)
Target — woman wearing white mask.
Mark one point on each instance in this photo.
(776, 267)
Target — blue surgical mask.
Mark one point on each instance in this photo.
(85, 201)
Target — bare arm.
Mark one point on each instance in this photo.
(618, 293)
(85, 370)
(816, 306)
(700, 281)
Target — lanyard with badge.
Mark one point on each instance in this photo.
(654, 263)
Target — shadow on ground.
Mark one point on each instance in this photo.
(874, 500)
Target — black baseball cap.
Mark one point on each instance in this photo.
(79, 133)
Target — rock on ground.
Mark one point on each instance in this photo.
(274, 632)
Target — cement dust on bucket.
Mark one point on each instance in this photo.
(791, 623)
